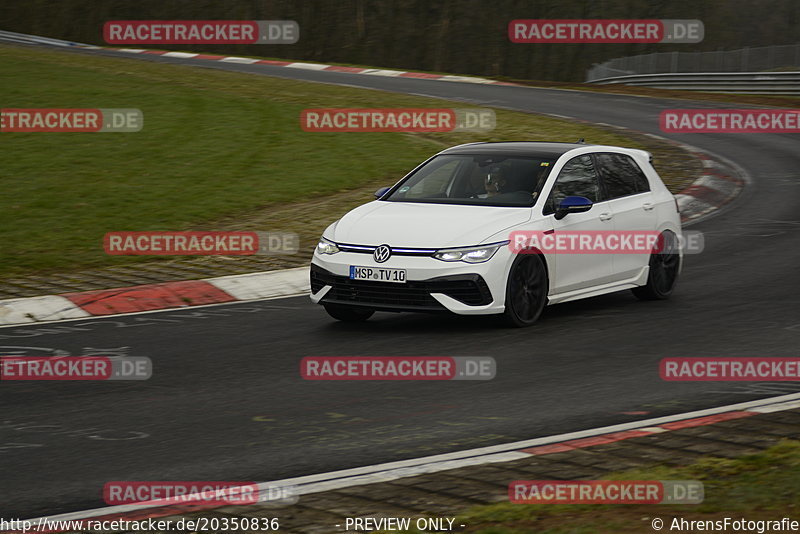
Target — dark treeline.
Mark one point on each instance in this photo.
(461, 36)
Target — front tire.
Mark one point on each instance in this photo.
(664, 266)
(348, 314)
(526, 291)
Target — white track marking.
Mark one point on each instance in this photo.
(430, 464)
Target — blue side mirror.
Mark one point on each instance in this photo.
(573, 204)
(382, 191)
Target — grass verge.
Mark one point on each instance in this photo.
(762, 486)
(218, 150)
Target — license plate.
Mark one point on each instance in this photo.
(376, 274)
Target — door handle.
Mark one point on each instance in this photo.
(648, 206)
(606, 216)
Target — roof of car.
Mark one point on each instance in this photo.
(517, 148)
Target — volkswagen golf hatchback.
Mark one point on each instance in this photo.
(505, 229)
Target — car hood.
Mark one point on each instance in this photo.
(418, 225)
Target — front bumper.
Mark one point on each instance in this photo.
(432, 285)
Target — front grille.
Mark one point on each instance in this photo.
(470, 289)
(399, 251)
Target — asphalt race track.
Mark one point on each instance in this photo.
(226, 401)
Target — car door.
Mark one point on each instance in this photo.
(630, 199)
(575, 271)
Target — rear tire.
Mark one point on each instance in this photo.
(664, 266)
(348, 314)
(526, 291)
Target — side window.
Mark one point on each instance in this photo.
(577, 178)
(621, 175)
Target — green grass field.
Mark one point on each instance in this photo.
(216, 146)
(763, 486)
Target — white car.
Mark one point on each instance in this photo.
(441, 238)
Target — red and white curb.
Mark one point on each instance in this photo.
(720, 183)
(150, 297)
(314, 66)
(506, 452)
(35, 39)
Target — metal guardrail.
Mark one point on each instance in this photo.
(13, 37)
(751, 59)
(774, 83)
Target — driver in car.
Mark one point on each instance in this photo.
(495, 182)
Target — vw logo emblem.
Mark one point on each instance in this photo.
(382, 253)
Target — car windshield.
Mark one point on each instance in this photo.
(476, 179)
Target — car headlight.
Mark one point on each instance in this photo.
(326, 247)
(477, 254)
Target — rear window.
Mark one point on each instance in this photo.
(621, 175)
